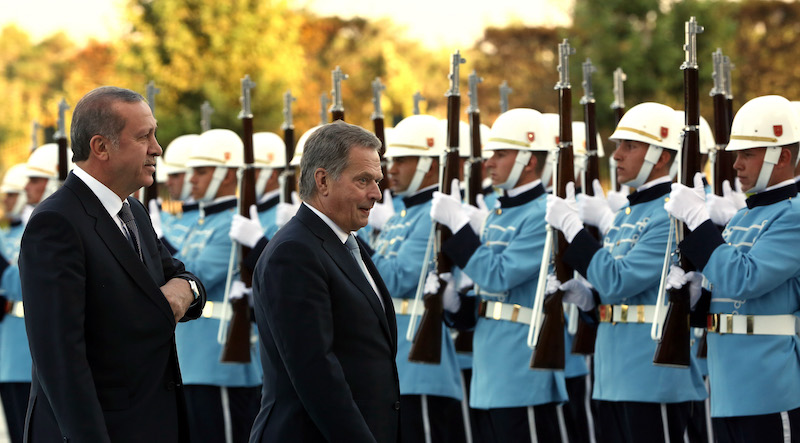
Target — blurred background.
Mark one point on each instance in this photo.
(198, 50)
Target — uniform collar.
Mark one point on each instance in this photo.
(766, 198)
(189, 207)
(651, 193)
(268, 202)
(220, 205)
(523, 198)
(420, 197)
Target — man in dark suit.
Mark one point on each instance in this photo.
(102, 295)
(327, 325)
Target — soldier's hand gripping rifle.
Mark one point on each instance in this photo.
(618, 105)
(427, 345)
(287, 180)
(151, 192)
(377, 124)
(586, 333)
(61, 141)
(337, 108)
(673, 343)
(237, 345)
(548, 314)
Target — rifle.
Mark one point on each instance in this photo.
(61, 140)
(586, 333)
(721, 160)
(473, 177)
(151, 192)
(286, 179)
(237, 345)
(618, 105)
(549, 351)
(205, 116)
(323, 113)
(427, 345)
(504, 91)
(377, 122)
(35, 135)
(673, 345)
(728, 67)
(337, 108)
(417, 98)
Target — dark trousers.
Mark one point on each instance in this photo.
(444, 415)
(697, 430)
(15, 403)
(504, 425)
(767, 428)
(575, 413)
(634, 422)
(206, 415)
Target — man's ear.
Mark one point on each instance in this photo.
(99, 147)
(321, 179)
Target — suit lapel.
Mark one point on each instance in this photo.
(108, 231)
(341, 256)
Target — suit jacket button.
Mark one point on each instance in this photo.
(397, 406)
(170, 385)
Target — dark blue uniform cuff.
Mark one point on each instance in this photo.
(462, 245)
(701, 243)
(467, 315)
(580, 252)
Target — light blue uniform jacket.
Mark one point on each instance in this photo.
(15, 356)
(176, 227)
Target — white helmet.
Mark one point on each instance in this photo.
(421, 136)
(43, 163)
(654, 124)
(768, 122)
(218, 148)
(298, 150)
(14, 182)
(522, 130)
(174, 161)
(269, 152)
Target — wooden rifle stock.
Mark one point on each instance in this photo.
(337, 108)
(586, 334)
(618, 105)
(237, 345)
(377, 124)
(549, 352)
(61, 141)
(427, 345)
(151, 192)
(674, 347)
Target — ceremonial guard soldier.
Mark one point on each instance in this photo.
(637, 401)
(430, 393)
(753, 272)
(222, 398)
(502, 256)
(15, 357)
(176, 220)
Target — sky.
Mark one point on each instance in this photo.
(436, 23)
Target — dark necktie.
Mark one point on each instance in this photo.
(355, 251)
(126, 216)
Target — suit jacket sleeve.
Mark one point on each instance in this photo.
(52, 269)
(298, 308)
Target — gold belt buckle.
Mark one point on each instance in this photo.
(404, 306)
(208, 309)
(639, 313)
(497, 311)
(623, 314)
(712, 322)
(515, 313)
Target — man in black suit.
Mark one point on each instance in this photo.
(328, 332)
(102, 295)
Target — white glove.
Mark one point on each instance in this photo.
(155, 217)
(247, 231)
(450, 298)
(477, 215)
(285, 211)
(446, 209)
(552, 284)
(381, 211)
(562, 213)
(578, 292)
(594, 209)
(240, 290)
(688, 204)
(722, 209)
(618, 199)
(677, 278)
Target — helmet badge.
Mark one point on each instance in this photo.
(531, 136)
(664, 132)
(429, 140)
(777, 130)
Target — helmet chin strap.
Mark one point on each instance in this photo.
(50, 188)
(770, 160)
(523, 157)
(186, 189)
(423, 166)
(261, 183)
(213, 186)
(650, 160)
(547, 172)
